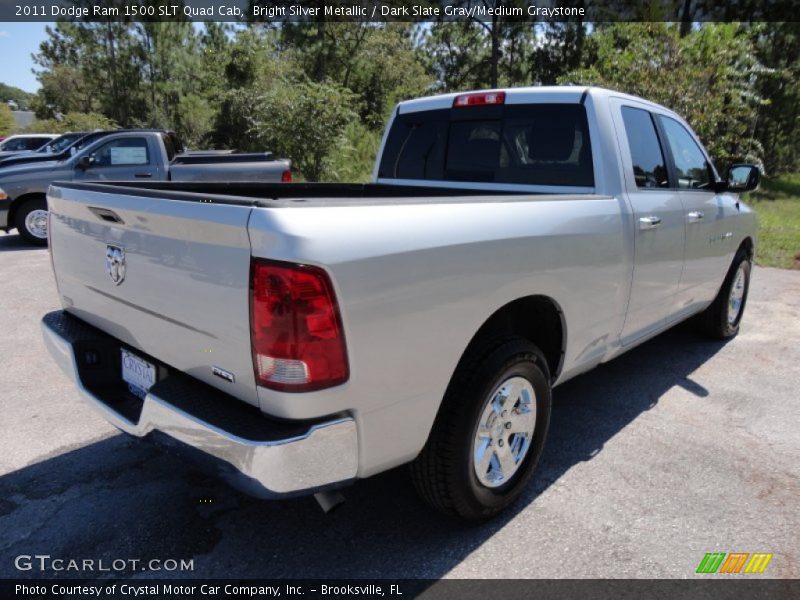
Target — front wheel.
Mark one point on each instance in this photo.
(489, 433)
(31, 221)
(721, 320)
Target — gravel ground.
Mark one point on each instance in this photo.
(681, 447)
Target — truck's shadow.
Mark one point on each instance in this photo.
(13, 241)
(119, 498)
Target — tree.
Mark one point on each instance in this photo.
(385, 70)
(456, 54)
(304, 121)
(249, 63)
(778, 125)
(65, 90)
(170, 61)
(379, 63)
(147, 73)
(73, 121)
(559, 51)
(492, 40)
(22, 98)
(355, 155)
(7, 122)
(474, 54)
(325, 50)
(101, 59)
(214, 47)
(194, 120)
(708, 76)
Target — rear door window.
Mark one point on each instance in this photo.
(533, 144)
(649, 167)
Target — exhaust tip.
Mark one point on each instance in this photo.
(329, 501)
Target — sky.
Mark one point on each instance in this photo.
(17, 42)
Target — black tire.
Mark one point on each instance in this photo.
(714, 320)
(443, 473)
(21, 215)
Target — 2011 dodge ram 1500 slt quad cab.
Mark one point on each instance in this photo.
(120, 155)
(303, 336)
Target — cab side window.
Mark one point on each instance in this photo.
(649, 167)
(122, 152)
(14, 145)
(33, 143)
(691, 167)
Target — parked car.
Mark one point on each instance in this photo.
(54, 146)
(121, 155)
(24, 143)
(60, 151)
(301, 337)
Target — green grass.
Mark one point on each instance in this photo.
(777, 203)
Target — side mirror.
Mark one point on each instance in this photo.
(85, 162)
(743, 178)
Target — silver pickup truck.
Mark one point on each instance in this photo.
(151, 155)
(299, 337)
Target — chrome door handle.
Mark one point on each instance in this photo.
(694, 216)
(649, 222)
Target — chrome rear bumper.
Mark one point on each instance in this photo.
(261, 456)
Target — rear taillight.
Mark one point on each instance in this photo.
(479, 99)
(286, 176)
(295, 328)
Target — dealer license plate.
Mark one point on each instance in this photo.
(139, 374)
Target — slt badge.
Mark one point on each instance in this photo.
(115, 263)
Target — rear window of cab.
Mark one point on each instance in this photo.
(529, 144)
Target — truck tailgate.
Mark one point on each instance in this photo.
(183, 298)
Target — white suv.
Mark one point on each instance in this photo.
(25, 142)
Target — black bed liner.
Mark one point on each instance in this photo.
(261, 194)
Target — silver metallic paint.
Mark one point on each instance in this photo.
(415, 279)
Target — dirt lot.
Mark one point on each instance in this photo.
(681, 447)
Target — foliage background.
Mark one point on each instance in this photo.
(320, 92)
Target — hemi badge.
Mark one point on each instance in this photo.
(222, 374)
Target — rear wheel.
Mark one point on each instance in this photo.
(489, 433)
(31, 221)
(721, 319)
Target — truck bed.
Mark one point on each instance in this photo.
(188, 248)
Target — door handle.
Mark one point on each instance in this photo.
(649, 222)
(694, 216)
(106, 215)
(142, 175)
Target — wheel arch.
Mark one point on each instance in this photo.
(537, 318)
(748, 246)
